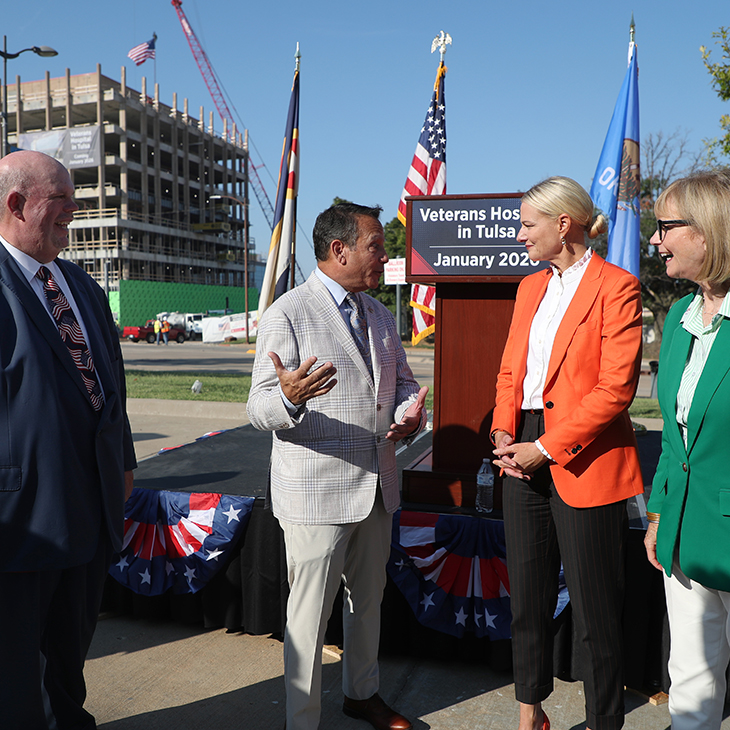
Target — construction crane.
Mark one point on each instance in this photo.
(206, 70)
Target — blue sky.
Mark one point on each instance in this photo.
(529, 93)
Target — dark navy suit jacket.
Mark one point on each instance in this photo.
(61, 463)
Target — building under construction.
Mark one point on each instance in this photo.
(161, 193)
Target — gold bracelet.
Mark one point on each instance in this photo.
(652, 516)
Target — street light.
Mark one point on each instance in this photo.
(244, 204)
(45, 52)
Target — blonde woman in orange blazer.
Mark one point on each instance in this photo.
(565, 443)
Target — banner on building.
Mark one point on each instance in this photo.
(73, 148)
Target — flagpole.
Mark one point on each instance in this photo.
(617, 181)
(632, 31)
(154, 39)
(279, 267)
(440, 42)
(245, 229)
(427, 176)
(292, 261)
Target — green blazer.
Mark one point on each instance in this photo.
(691, 487)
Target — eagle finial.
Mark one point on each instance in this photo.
(440, 42)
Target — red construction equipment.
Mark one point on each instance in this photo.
(206, 69)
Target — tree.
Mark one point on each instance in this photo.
(720, 72)
(395, 247)
(666, 157)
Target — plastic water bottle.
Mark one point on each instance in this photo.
(485, 487)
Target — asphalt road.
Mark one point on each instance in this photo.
(234, 358)
(238, 358)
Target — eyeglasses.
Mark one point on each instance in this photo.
(664, 226)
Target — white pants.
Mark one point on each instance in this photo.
(318, 558)
(699, 622)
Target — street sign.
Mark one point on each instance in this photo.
(395, 272)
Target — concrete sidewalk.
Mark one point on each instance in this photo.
(145, 675)
(162, 424)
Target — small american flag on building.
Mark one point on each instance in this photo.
(139, 54)
(427, 176)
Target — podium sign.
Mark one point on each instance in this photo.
(466, 245)
(466, 238)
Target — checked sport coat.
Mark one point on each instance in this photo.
(327, 459)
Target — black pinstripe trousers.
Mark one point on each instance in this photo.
(540, 529)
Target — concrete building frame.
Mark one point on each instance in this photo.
(146, 209)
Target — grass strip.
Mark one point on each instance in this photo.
(218, 387)
(645, 408)
(233, 388)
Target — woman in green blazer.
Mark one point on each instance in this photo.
(689, 508)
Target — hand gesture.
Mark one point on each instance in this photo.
(411, 418)
(300, 385)
(502, 439)
(518, 460)
(650, 545)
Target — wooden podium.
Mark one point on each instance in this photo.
(476, 277)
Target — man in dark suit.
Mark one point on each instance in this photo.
(66, 451)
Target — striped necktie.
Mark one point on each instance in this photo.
(359, 329)
(71, 334)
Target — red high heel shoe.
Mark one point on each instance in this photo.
(545, 721)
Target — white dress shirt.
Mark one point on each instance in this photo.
(558, 296)
(701, 344)
(29, 267)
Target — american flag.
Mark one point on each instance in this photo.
(423, 302)
(452, 570)
(427, 176)
(139, 54)
(176, 540)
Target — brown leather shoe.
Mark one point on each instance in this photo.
(377, 713)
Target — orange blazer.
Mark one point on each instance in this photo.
(591, 380)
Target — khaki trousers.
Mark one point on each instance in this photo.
(318, 558)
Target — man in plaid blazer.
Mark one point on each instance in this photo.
(332, 382)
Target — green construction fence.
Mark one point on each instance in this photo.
(138, 301)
